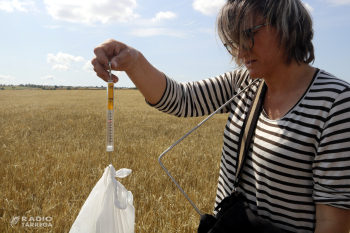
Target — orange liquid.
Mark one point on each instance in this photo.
(110, 96)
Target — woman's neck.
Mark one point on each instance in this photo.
(289, 79)
(285, 87)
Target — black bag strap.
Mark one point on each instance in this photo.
(247, 131)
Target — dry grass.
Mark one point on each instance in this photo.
(52, 153)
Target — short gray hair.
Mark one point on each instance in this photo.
(290, 17)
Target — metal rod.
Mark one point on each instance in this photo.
(167, 150)
(110, 71)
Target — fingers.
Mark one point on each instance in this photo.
(121, 56)
(114, 63)
(107, 50)
(115, 78)
(101, 56)
(125, 59)
(101, 71)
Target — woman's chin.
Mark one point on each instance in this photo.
(254, 74)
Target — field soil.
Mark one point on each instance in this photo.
(53, 152)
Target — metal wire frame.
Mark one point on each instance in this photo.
(172, 146)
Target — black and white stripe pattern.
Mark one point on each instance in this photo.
(294, 162)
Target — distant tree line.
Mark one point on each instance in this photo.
(55, 87)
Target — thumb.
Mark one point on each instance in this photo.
(114, 63)
(125, 59)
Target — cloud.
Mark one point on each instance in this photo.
(88, 67)
(208, 7)
(308, 7)
(164, 15)
(60, 67)
(7, 77)
(147, 32)
(91, 11)
(69, 28)
(48, 77)
(339, 2)
(63, 60)
(23, 6)
(61, 80)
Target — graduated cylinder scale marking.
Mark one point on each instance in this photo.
(110, 115)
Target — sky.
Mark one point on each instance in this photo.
(51, 42)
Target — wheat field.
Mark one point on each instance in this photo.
(52, 153)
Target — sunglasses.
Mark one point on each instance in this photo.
(248, 40)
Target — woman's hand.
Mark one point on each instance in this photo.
(122, 58)
(149, 80)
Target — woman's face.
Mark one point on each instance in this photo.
(266, 56)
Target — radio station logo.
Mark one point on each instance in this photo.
(31, 222)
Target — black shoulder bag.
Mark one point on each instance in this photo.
(234, 213)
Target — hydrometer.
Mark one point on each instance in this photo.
(110, 115)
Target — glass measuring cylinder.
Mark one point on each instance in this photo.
(110, 116)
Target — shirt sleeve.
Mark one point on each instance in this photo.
(331, 167)
(199, 98)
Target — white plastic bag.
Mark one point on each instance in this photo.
(109, 207)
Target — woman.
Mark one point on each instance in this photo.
(297, 172)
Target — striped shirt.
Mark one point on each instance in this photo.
(295, 162)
